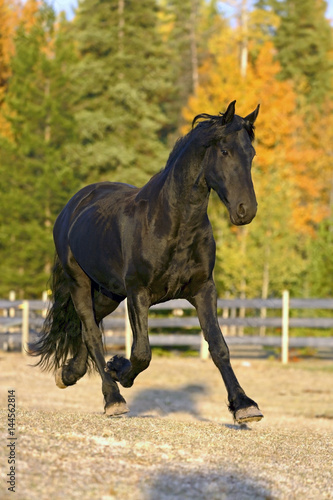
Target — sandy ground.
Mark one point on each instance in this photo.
(178, 442)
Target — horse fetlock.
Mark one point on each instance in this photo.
(66, 375)
(119, 367)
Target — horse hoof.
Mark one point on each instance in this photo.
(250, 414)
(116, 409)
(58, 379)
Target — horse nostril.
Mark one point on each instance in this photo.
(241, 210)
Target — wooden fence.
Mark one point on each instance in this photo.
(26, 318)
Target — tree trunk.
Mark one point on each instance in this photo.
(244, 15)
(121, 25)
(264, 289)
(194, 52)
(244, 233)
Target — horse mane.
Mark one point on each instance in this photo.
(217, 121)
(180, 142)
(213, 128)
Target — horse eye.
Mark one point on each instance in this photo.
(224, 152)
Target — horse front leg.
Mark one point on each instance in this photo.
(121, 369)
(242, 407)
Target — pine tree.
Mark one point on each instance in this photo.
(187, 26)
(304, 42)
(36, 179)
(121, 81)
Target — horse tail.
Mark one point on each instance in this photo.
(60, 337)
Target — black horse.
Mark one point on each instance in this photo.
(150, 245)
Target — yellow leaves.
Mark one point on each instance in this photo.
(294, 149)
(9, 20)
(12, 13)
(29, 11)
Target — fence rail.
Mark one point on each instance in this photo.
(28, 316)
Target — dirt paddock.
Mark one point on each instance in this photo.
(179, 441)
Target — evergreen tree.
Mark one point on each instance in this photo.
(304, 41)
(36, 180)
(187, 26)
(121, 79)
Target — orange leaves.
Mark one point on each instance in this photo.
(9, 20)
(293, 153)
(12, 13)
(29, 11)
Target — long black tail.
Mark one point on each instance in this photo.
(61, 333)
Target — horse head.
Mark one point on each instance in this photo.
(228, 161)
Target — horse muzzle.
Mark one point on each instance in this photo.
(243, 214)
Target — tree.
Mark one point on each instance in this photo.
(304, 42)
(266, 257)
(9, 20)
(36, 178)
(320, 268)
(121, 79)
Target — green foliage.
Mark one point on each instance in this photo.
(121, 79)
(265, 254)
(320, 264)
(36, 180)
(304, 41)
(100, 98)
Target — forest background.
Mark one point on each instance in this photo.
(104, 96)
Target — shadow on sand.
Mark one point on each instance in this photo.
(150, 402)
(162, 402)
(215, 484)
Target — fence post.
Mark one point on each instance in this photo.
(285, 327)
(45, 298)
(128, 332)
(25, 326)
(204, 352)
(233, 328)
(12, 297)
(225, 315)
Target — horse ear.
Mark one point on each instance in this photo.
(251, 118)
(228, 116)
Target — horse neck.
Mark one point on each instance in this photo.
(185, 185)
(179, 192)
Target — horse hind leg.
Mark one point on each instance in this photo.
(81, 292)
(76, 367)
(61, 334)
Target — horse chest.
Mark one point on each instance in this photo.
(178, 274)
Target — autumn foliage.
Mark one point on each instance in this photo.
(104, 95)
